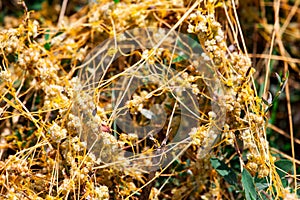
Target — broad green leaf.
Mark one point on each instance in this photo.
(262, 186)
(248, 185)
(227, 173)
(284, 166)
(261, 183)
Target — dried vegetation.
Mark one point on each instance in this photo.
(49, 113)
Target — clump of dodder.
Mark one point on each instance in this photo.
(244, 115)
(63, 143)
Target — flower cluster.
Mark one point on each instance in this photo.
(9, 41)
(234, 69)
(5, 76)
(136, 104)
(57, 133)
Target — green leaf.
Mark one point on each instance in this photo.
(261, 183)
(248, 185)
(47, 35)
(180, 58)
(47, 46)
(227, 173)
(278, 77)
(284, 165)
(19, 136)
(262, 186)
(35, 5)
